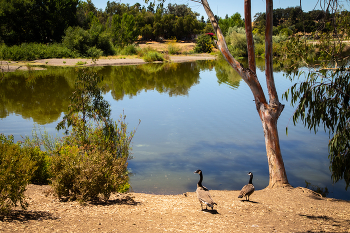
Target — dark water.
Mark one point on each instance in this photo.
(197, 115)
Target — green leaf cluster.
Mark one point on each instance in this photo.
(204, 44)
(322, 99)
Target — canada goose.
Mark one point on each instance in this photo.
(203, 193)
(248, 189)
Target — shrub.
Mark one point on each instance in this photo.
(173, 48)
(33, 51)
(16, 169)
(93, 167)
(237, 42)
(94, 52)
(153, 56)
(203, 44)
(92, 161)
(129, 50)
(41, 175)
(87, 175)
(144, 51)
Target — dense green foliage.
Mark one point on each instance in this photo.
(16, 169)
(124, 29)
(204, 44)
(230, 22)
(33, 51)
(25, 21)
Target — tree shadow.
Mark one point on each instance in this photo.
(330, 220)
(210, 211)
(25, 215)
(125, 200)
(321, 217)
(255, 202)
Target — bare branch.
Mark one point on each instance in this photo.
(249, 35)
(269, 54)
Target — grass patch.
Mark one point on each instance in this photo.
(80, 63)
(153, 56)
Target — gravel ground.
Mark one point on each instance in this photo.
(269, 210)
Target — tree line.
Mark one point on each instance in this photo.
(292, 20)
(48, 21)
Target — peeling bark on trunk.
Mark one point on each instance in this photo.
(268, 112)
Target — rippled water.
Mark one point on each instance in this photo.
(197, 115)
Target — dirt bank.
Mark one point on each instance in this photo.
(276, 210)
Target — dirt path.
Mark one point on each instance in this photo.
(277, 210)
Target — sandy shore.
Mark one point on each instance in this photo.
(8, 66)
(269, 210)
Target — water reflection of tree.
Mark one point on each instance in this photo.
(172, 78)
(226, 74)
(44, 95)
(40, 95)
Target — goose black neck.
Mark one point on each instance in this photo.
(251, 179)
(200, 179)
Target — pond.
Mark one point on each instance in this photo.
(195, 115)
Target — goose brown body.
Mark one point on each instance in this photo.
(248, 189)
(203, 193)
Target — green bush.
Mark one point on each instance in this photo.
(91, 162)
(33, 51)
(237, 42)
(129, 50)
(203, 44)
(94, 52)
(42, 159)
(88, 175)
(93, 167)
(153, 56)
(16, 169)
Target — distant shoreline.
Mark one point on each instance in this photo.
(10, 66)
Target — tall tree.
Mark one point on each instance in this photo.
(124, 29)
(269, 112)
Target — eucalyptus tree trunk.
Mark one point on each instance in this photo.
(268, 112)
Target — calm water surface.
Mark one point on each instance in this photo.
(197, 115)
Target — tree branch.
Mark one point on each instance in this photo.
(249, 35)
(247, 75)
(268, 55)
